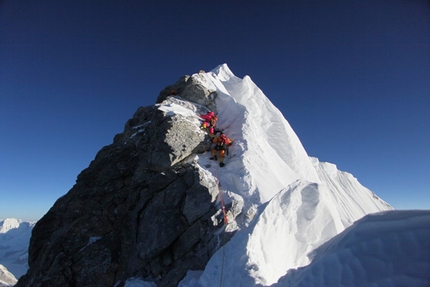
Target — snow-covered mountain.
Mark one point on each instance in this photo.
(299, 202)
(152, 194)
(14, 240)
(294, 203)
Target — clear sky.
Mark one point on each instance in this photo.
(351, 77)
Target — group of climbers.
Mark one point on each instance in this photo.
(222, 142)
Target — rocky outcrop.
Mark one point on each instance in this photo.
(190, 88)
(142, 208)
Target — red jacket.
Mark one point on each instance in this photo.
(208, 116)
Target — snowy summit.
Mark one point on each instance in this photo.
(148, 211)
(292, 202)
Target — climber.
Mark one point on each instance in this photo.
(222, 142)
(209, 123)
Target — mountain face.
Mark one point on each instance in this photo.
(148, 205)
(14, 239)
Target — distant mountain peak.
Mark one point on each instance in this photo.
(6, 278)
(8, 224)
(14, 240)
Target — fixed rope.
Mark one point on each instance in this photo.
(224, 212)
(222, 263)
(225, 223)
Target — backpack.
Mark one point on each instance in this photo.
(222, 144)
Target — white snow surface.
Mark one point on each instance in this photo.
(8, 224)
(390, 248)
(302, 222)
(267, 154)
(14, 241)
(292, 203)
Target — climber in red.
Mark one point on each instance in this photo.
(222, 142)
(209, 123)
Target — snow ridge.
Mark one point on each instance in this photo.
(263, 139)
(292, 202)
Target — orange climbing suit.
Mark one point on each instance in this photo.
(222, 143)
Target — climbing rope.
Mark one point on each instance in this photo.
(222, 262)
(225, 223)
(224, 212)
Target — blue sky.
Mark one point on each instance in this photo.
(351, 77)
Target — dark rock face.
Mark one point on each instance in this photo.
(142, 208)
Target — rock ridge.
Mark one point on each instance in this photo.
(143, 207)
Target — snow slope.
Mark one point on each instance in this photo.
(301, 221)
(264, 142)
(292, 202)
(389, 248)
(14, 241)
